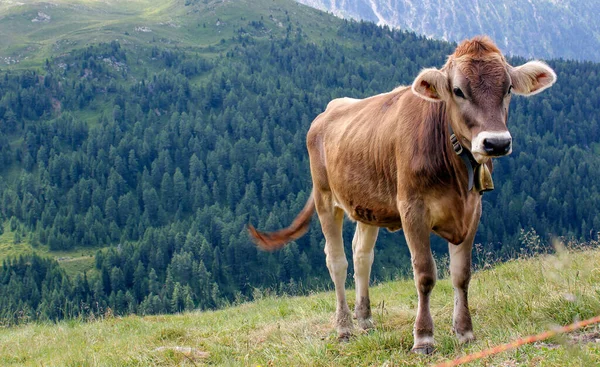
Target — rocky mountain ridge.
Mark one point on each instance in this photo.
(534, 28)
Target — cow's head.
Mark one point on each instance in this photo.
(476, 84)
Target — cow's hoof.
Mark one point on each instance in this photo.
(423, 349)
(465, 338)
(366, 324)
(344, 337)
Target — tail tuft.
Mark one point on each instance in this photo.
(265, 241)
(273, 241)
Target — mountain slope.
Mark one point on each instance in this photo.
(536, 28)
(31, 31)
(511, 300)
(160, 153)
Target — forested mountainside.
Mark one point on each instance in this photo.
(164, 154)
(536, 28)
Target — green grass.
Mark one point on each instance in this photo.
(79, 265)
(514, 299)
(78, 23)
(74, 261)
(8, 247)
(92, 113)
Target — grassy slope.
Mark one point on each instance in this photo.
(169, 23)
(514, 299)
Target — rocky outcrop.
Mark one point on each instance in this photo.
(531, 28)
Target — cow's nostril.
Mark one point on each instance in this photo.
(488, 145)
(497, 146)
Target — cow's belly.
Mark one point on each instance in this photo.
(449, 216)
(377, 217)
(365, 207)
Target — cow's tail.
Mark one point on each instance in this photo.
(275, 240)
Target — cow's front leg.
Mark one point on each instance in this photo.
(362, 249)
(460, 271)
(416, 231)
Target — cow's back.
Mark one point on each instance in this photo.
(353, 149)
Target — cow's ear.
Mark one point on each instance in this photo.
(531, 78)
(431, 84)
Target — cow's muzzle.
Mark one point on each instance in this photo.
(492, 144)
(497, 146)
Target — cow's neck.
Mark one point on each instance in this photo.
(434, 160)
(465, 155)
(479, 177)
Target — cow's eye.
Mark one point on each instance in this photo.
(509, 89)
(459, 93)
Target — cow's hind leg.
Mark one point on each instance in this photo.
(331, 218)
(417, 236)
(363, 254)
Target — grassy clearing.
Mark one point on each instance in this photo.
(8, 246)
(74, 261)
(78, 265)
(514, 299)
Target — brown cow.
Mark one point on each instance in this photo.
(388, 161)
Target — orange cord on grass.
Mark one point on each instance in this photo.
(519, 342)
